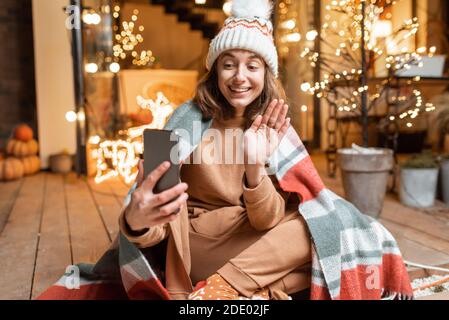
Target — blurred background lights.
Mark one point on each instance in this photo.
(91, 18)
(114, 67)
(70, 116)
(91, 67)
(227, 6)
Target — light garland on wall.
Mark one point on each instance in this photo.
(119, 158)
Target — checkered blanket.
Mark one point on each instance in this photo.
(353, 255)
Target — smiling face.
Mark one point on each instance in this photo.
(241, 76)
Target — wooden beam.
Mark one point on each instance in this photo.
(317, 78)
(78, 74)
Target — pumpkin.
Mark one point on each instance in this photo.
(61, 163)
(31, 165)
(23, 133)
(11, 169)
(19, 148)
(141, 118)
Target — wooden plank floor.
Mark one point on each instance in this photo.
(52, 221)
(49, 221)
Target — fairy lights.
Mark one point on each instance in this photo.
(91, 67)
(289, 31)
(227, 7)
(160, 109)
(341, 37)
(128, 38)
(90, 17)
(120, 157)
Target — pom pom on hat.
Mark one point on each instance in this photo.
(248, 28)
(252, 8)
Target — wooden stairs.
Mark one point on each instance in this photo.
(185, 12)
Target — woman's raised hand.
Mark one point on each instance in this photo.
(275, 116)
(148, 209)
(266, 132)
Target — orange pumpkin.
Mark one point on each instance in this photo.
(23, 133)
(141, 118)
(11, 169)
(31, 165)
(19, 148)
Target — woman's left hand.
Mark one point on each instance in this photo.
(266, 133)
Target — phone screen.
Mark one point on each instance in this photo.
(160, 146)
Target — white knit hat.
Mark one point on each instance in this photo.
(248, 28)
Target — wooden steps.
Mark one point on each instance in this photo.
(184, 11)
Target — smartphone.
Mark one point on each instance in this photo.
(160, 146)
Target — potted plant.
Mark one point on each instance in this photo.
(418, 181)
(365, 173)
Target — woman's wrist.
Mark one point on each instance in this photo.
(254, 175)
(135, 233)
(131, 230)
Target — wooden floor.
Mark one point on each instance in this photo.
(49, 221)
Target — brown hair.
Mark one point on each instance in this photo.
(214, 105)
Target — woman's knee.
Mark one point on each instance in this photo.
(295, 281)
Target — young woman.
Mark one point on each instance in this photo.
(229, 230)
(246, 238)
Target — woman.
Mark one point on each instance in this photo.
(229, 228)
(245, 234)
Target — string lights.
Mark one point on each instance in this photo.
(127, 38)
(340, 60)
(120, 157)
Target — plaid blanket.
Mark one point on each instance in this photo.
(353, 255)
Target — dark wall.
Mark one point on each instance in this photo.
(445, 9)
(17, 91)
